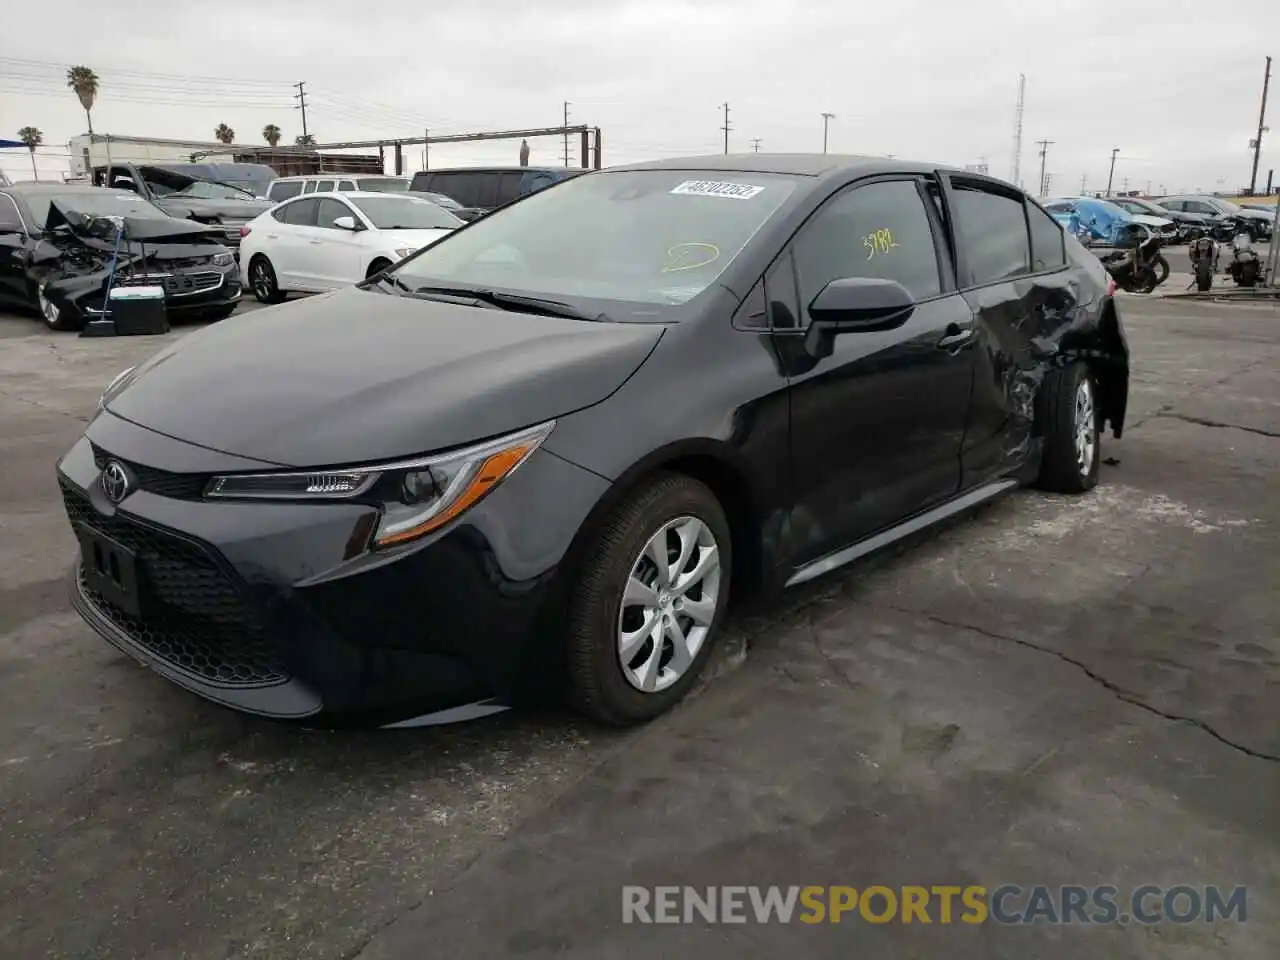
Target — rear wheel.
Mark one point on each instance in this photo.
(262, 278)
(650, 599)
(1204, 277)
(1069, 418)
(1162, 269)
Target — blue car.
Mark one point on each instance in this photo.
(1100, 220)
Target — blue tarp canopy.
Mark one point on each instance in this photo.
(13, 143)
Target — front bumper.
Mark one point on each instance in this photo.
(275, 609)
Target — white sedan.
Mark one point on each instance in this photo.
(323, 241)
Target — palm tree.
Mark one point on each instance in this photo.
(271, 134)
(85, 83)
(224, 133)
(32, 137)
(305, 140)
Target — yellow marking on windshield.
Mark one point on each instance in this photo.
(710, 254)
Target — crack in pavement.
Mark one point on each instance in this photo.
(1201, 421)
(1128, 696)
(42, 406)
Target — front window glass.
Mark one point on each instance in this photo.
(404, 213)
(643, 236)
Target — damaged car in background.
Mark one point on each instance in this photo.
(180, 191)
(61, 245)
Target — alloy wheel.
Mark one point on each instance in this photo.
(48, 309)
(261, 281)
(668, 604)
(1086, 427)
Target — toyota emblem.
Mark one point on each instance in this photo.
(115, 481)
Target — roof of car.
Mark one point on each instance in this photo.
(795, 164)
(37, 188)
(344, 176)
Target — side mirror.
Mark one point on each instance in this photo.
(124, 183)
(347, 223)
(855, 304)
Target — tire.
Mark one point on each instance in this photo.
(1204, 278)
(262, 280)
(1162, 269)
(377, 267)
(55, 318)
(600, 686)
(1061, 469)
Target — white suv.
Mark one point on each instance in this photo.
(286, 188)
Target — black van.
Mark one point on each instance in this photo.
(481, 189)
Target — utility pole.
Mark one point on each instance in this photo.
(1262, 119)
(426, 135)
(826, 120)
(726, 128)
(566, 136)
(301, 97)
(1044, 149)
(1084, 178)
(1017, 128)
(1111, 175)
(755, 144)
(1046, 179)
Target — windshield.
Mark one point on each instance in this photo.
(383, 184)
(94, 202)
(643, 236)
(205, 190)
(440, 200)
(1137, 206)
(404, 213)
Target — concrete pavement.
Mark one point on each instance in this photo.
(1058, 690)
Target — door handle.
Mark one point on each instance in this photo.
(956, 337)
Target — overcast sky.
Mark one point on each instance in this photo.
(1174, 84)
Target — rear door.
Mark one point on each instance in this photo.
(1019, 290)
(877, 426)
(291, 248)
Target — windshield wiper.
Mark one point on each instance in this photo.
(401, 288)
(514, 302)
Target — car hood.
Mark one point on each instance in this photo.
(1151, 220)
(1248, 214)
(358, 376)
(417, 239)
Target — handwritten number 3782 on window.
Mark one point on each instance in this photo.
(879, 241)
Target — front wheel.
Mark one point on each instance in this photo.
(649, 601)
(262, 278)
(1068, 416)
(55, 317)
(1204, 277)
(1162, 269)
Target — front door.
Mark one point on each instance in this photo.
(336, 255)
(13, 254)
(877, 426)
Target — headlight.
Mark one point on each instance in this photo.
(223, 259)
(415, 496)
(406, 251)
(114, 387)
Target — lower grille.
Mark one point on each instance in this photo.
(197, 619)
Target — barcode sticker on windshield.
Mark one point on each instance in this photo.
(718, 188)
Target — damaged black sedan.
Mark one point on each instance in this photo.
(542, 453)
(62, 246)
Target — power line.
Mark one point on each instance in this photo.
(726, 128)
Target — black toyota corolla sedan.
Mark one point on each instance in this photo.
(543, 453)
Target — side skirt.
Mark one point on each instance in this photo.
(879, 541)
